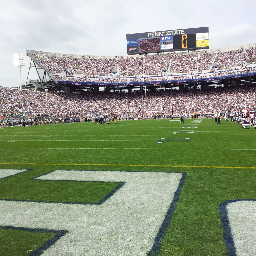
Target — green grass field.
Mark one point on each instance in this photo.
(219, 161)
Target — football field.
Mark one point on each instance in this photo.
(156, 187)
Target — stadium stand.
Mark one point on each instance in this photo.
(145, 68)
(37, 107)
(209, 83)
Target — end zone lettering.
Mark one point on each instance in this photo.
(120, 225)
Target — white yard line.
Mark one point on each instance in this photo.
(84, 135)
(66, 140)
(97, 148)
(243, 149)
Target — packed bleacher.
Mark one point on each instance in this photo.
(37, 107)
(141, 68)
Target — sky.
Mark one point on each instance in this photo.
(99, 27)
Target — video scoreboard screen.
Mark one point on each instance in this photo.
(169, 40)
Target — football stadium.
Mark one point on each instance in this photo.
(152, 153)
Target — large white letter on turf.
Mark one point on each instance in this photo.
(241, 215)
(125, 224)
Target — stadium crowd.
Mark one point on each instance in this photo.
(174, 66)
(37, 107)
(22, 106)
(152, 44)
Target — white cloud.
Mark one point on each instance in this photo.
(234, 36)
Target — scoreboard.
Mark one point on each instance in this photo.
(169, 40)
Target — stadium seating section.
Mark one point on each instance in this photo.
(143, 68)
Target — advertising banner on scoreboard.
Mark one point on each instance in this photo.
(202, 43)
(169, 40)
(134, 42)
(166, 42)
(132, 49)
(202, 36)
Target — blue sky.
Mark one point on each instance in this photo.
(99, 27)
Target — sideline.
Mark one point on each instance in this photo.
(138, 165)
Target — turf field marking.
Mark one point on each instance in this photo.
(50, 242)
(239, 224)
(243, 149)
(131, 222)
(184, 131)
(9, 172)
(193, 127)
(84, 135)
(66, 140)
(97, 148)
(209, 131)
(197, 121)
(135, 165)
(5, 173)
(172, 139)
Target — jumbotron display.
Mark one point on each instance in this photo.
(169, 40)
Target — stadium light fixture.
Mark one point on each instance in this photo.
(19, 60)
